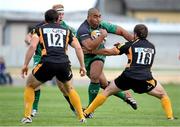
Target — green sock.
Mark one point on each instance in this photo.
(93, 91)
(121, 95)
(36, 99)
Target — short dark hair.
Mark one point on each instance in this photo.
(92, 10)
(141, 31)
(51, 16)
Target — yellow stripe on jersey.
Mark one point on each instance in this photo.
(67, 40)
(129, 57)
(152, 82)
(36, 68)
(43, 52)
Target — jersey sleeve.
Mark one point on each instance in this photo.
(123, 47)
(36, 26)
(111, 28)
(83, 34)
(72, 29)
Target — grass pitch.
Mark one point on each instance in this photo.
(54, 110)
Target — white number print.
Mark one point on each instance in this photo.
(55, 36)
(144, 55)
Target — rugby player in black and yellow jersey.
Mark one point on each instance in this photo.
(137, 75)
(53, 39)
(37, 56)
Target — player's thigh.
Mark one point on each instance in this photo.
(158, 91)
(32, 81)
(103, 81)
(96, 69)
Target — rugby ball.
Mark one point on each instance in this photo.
(95, 34)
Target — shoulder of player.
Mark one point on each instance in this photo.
(84, 28)
(40, 24)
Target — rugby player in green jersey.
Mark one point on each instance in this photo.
(94, 63)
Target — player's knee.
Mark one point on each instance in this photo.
(94, 77)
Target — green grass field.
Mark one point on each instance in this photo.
(54, 111)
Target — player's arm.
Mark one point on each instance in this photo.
(79, 53)
(124, 33)
(33, 45)
(115, 29)
(90, 44)
(106, 52)
(28, 38)
(118, 49)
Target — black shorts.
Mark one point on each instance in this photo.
(46, 71)
(138, 86)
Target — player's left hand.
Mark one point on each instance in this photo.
(82, 71)
(24, 71)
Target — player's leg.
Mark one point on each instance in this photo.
(74, 99)
(161, 94)
(65, 94)
(126, 96)
(32, 83)
(37, 93)
(96, 68)
(101, 98)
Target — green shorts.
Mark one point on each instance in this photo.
(89, 58)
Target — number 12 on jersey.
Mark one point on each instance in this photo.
(55, 36)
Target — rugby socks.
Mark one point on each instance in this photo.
(93, 91)
(99, 100)
(28, 100)
(121, 95)
(166, 104)
(36, 99)
(71, 106)
(75, 101)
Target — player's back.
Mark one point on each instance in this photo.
(54, 40)
(141, 57)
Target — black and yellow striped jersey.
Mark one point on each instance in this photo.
(54, 40)
(140, 55)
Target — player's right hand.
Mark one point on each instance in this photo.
(82, 71)
(24, 71)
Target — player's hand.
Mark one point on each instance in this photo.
(24, 71)
(103, 32)
(82, 71)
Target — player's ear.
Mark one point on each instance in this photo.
(135, 36)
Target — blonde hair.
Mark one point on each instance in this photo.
(58, 7)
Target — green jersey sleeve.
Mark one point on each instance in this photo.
(111, 28)
(63, 23)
